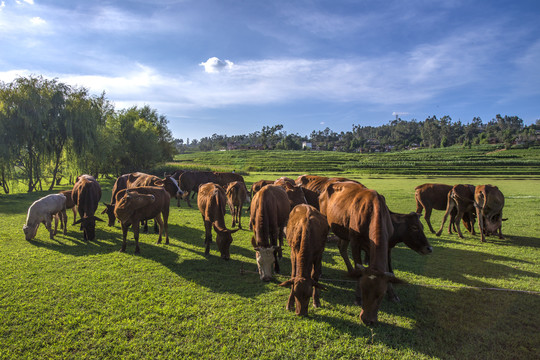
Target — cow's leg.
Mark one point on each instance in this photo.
(124, 237)
(48, 226)
(343, 245)
(276, 262)
(63, 221)
(145, 226)
(357, 258)
(239, 214)
(281, 234)
(158, 220)
(427, 217)
(458, 218)
(449, 209)
(186, 197)
(481, 224)
(136, 235)
(315, 275)
(165, 214)
(232, 209)
(74, 209)
(290, 303)
(207, 237)
(156, 227)
(390, 293)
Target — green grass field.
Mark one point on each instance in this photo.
(69, 299)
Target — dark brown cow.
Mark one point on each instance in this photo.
(70, 204)
(86, 194)
(269, 214)
(435, 196)
(121, 183)
(489, 202)
(360, 216)
(137, 204)
(236, 196)
(225, 178)
(212, 202)
(307, 230)
(294, 192)
(190, 181)
(314, 185)
(460, 199)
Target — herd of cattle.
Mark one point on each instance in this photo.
(307, 209)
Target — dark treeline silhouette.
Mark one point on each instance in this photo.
(396, 135)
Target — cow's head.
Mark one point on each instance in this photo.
(373, 285)
(301, 289)
(295, 194)
(413, 236)
(171, 186)
(88, 226)
(30, 231)
(109, 210)
(265, 262)
(223, 241)
(492, 222)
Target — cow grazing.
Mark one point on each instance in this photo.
(360, 216)
(191, 180)
(314, 185)
(236, 196)
(70, 204)
(489, 202)
(307, 230)
(294, 192)
(42, 211)
(435, 196)
(86, 194)
(212, 202)
(460, 198)
(269, 214)
(142, 203)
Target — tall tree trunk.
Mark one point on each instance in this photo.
(56, 166)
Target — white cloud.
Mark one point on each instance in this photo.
(37, 21)
(215, 65)
(2, 5)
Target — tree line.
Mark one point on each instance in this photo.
(50, 130)
(397, 135)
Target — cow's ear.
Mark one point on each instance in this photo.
(287, 283)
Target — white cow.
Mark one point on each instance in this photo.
(42, 211)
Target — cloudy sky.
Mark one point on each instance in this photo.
(234, 66)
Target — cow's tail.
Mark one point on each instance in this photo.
(380, 231)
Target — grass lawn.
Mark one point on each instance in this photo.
(66, 298)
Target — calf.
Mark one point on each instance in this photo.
(142, 203)
(360, 216)
(461, 198)
(489, 202)
(86, 194)
(236, 196)
(307, 230)
(269, 214)
(211, 202)
(42, 211)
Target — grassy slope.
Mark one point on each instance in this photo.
(69, 299)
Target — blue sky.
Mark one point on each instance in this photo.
(232, 67)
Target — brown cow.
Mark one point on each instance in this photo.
(314, 185)
(259, 185)
(137, 204)
(461, 198)
(294, 192)
(212, 202)
(70, 204)
(489, 202)
(236, 196)
(435, 196)
(137, 179)
(86, 194)
(306, 234)
(190, 180)
(269, 214)
(360, 216)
